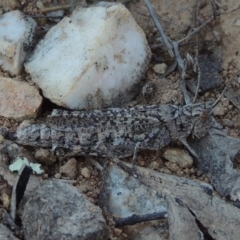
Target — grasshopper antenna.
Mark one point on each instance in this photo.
(224, 90)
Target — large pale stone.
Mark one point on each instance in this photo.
(18, 99)
(16, 35)
(94, 58)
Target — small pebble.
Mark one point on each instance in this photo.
(225, 102)
(167, 171)
(57, 175)
(180, 173)
(6, 200)
(70, 168)
(141, 163)
(1, 139)
(85, 172)
(154, 165)
(39, 4)
(160, 68)
(178, 156)
(117, 231)
(172, 167)
(228, 122)
(219, 110)
(45, 156)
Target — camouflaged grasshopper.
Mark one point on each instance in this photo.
(121, 131)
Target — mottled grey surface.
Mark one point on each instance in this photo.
(59, 211)
(6, 234)
(119, 130)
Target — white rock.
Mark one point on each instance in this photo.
(18, 99)
(16, 35)
(94, 58)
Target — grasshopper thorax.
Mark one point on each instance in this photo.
(201, 119)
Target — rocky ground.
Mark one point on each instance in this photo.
(216, 39)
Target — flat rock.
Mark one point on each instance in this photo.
(18, 99)
(16, 35)
(124, 196)
(58, 210)
(209, 73)
(95, 58)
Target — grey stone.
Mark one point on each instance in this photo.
(6, 234)
(58, 211)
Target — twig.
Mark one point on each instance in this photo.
(201, 26)
(96, 164)
(196, 65)
(218, 99)
(55, 8)
(64, 180)
(159, 27)
(172, 46)
(120, 222)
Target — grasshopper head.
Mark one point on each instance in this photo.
(201, 119)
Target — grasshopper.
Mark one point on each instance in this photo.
(120, 130)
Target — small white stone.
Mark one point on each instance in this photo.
(92, 59)
(85, 172)
(16, 35)
(154, 165)
(160, 68)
